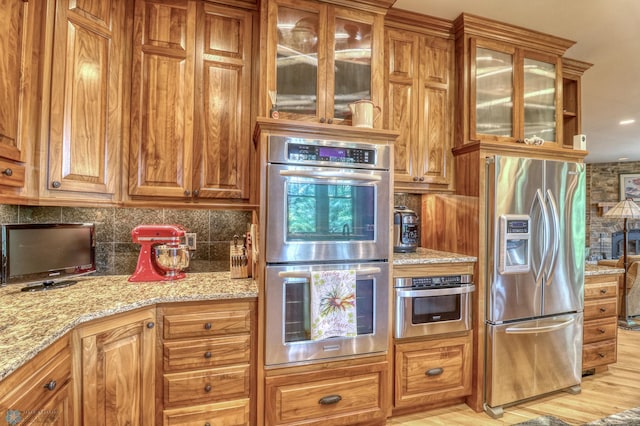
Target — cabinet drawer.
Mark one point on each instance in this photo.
(42, 385)
(230, 318)
(11, 174)
(432, 370)
(600, 290)
(205, 386)
(598, 330)
(206, 353)
(600, 308)
(597, 354)
(220, 414)
(341, 396)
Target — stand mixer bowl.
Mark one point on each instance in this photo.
(172, 258)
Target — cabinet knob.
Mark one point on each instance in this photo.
(56, 184)
(196, 192)
(207, 388)
(7, 172)
(322, 119)
(330, 121)
(434, 372)
(415, 178)
(603, 310)
(207, 424)
(51, 385)
(187, 193)
(601, 330)
(151, 324)
(421, 179)
(207, 326)
(603, 291)
(330, 399)
(207, 354)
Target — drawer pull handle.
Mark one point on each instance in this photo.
(51, 385)
(7, 172)
(601, 355)
(207, 424)
(602, 330)
(603, 309)
(603, 291)
(207, 354)
(434, 371)
(207, 326)
(330, 399)
(207, 388)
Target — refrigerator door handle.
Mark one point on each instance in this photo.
(555, 325)
(555, 238)
(537, 272)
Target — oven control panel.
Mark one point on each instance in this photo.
(435, 281)
(330, 154)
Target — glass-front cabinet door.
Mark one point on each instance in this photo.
(515, 94)
(320, 58)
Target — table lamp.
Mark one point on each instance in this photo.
(625, 209)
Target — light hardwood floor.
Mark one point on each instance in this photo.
(603, 394)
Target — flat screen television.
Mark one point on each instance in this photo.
(47, 253)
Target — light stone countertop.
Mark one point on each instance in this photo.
(592, 269)
(31, 321)
(428, 256)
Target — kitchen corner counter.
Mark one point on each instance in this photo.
(31, 321)
(593, 269)
(428, 256)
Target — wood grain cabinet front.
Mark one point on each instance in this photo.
(600, 329)
(432, 371)
(191, 86)
(206, 361)
(40, 391)
(337, 396)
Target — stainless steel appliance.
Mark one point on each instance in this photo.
(535, 278)
(406, 230)
(288, 319)
(328, 200)
(328, 208)
(426, 306)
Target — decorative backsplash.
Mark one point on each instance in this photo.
(117, 255)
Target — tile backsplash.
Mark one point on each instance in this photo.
(117, 255)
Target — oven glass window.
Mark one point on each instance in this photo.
(435, 309)
(324, 212)
(297, 308)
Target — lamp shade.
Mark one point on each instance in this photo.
(625, 209)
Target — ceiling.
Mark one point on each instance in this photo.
(607, 35)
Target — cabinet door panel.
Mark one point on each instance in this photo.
(432, 156)
(14, 75)
(401, 117)
(86, 93)
(223, 81)
(162, 99)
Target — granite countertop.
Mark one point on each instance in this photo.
(427, 256)
(594, 269)
(31, 321)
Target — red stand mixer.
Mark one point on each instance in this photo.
(162, 256)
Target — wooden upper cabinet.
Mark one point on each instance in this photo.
(320, 58)
(87, 83)
(419, 80)
(510, 81)
(191, 88)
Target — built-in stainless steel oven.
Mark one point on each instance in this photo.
(432, 305)
(327, 200)
(288, 318)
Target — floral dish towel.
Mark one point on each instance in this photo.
(333, 304)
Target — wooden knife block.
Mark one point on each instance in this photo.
(238, 260)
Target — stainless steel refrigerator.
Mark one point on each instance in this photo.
(535, 278)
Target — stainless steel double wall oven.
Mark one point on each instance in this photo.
(328, 208)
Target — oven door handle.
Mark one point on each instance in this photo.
(307, 274)
(315, 174)
(427, 292)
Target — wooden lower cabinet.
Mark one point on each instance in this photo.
(338, 396)
(114, 369)
(600, 328)
(205, 362)
(430, 372)
(40, 391)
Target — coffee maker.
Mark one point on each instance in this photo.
(406, 230)
(162, 254)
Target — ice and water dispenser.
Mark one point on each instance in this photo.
(515, 244)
